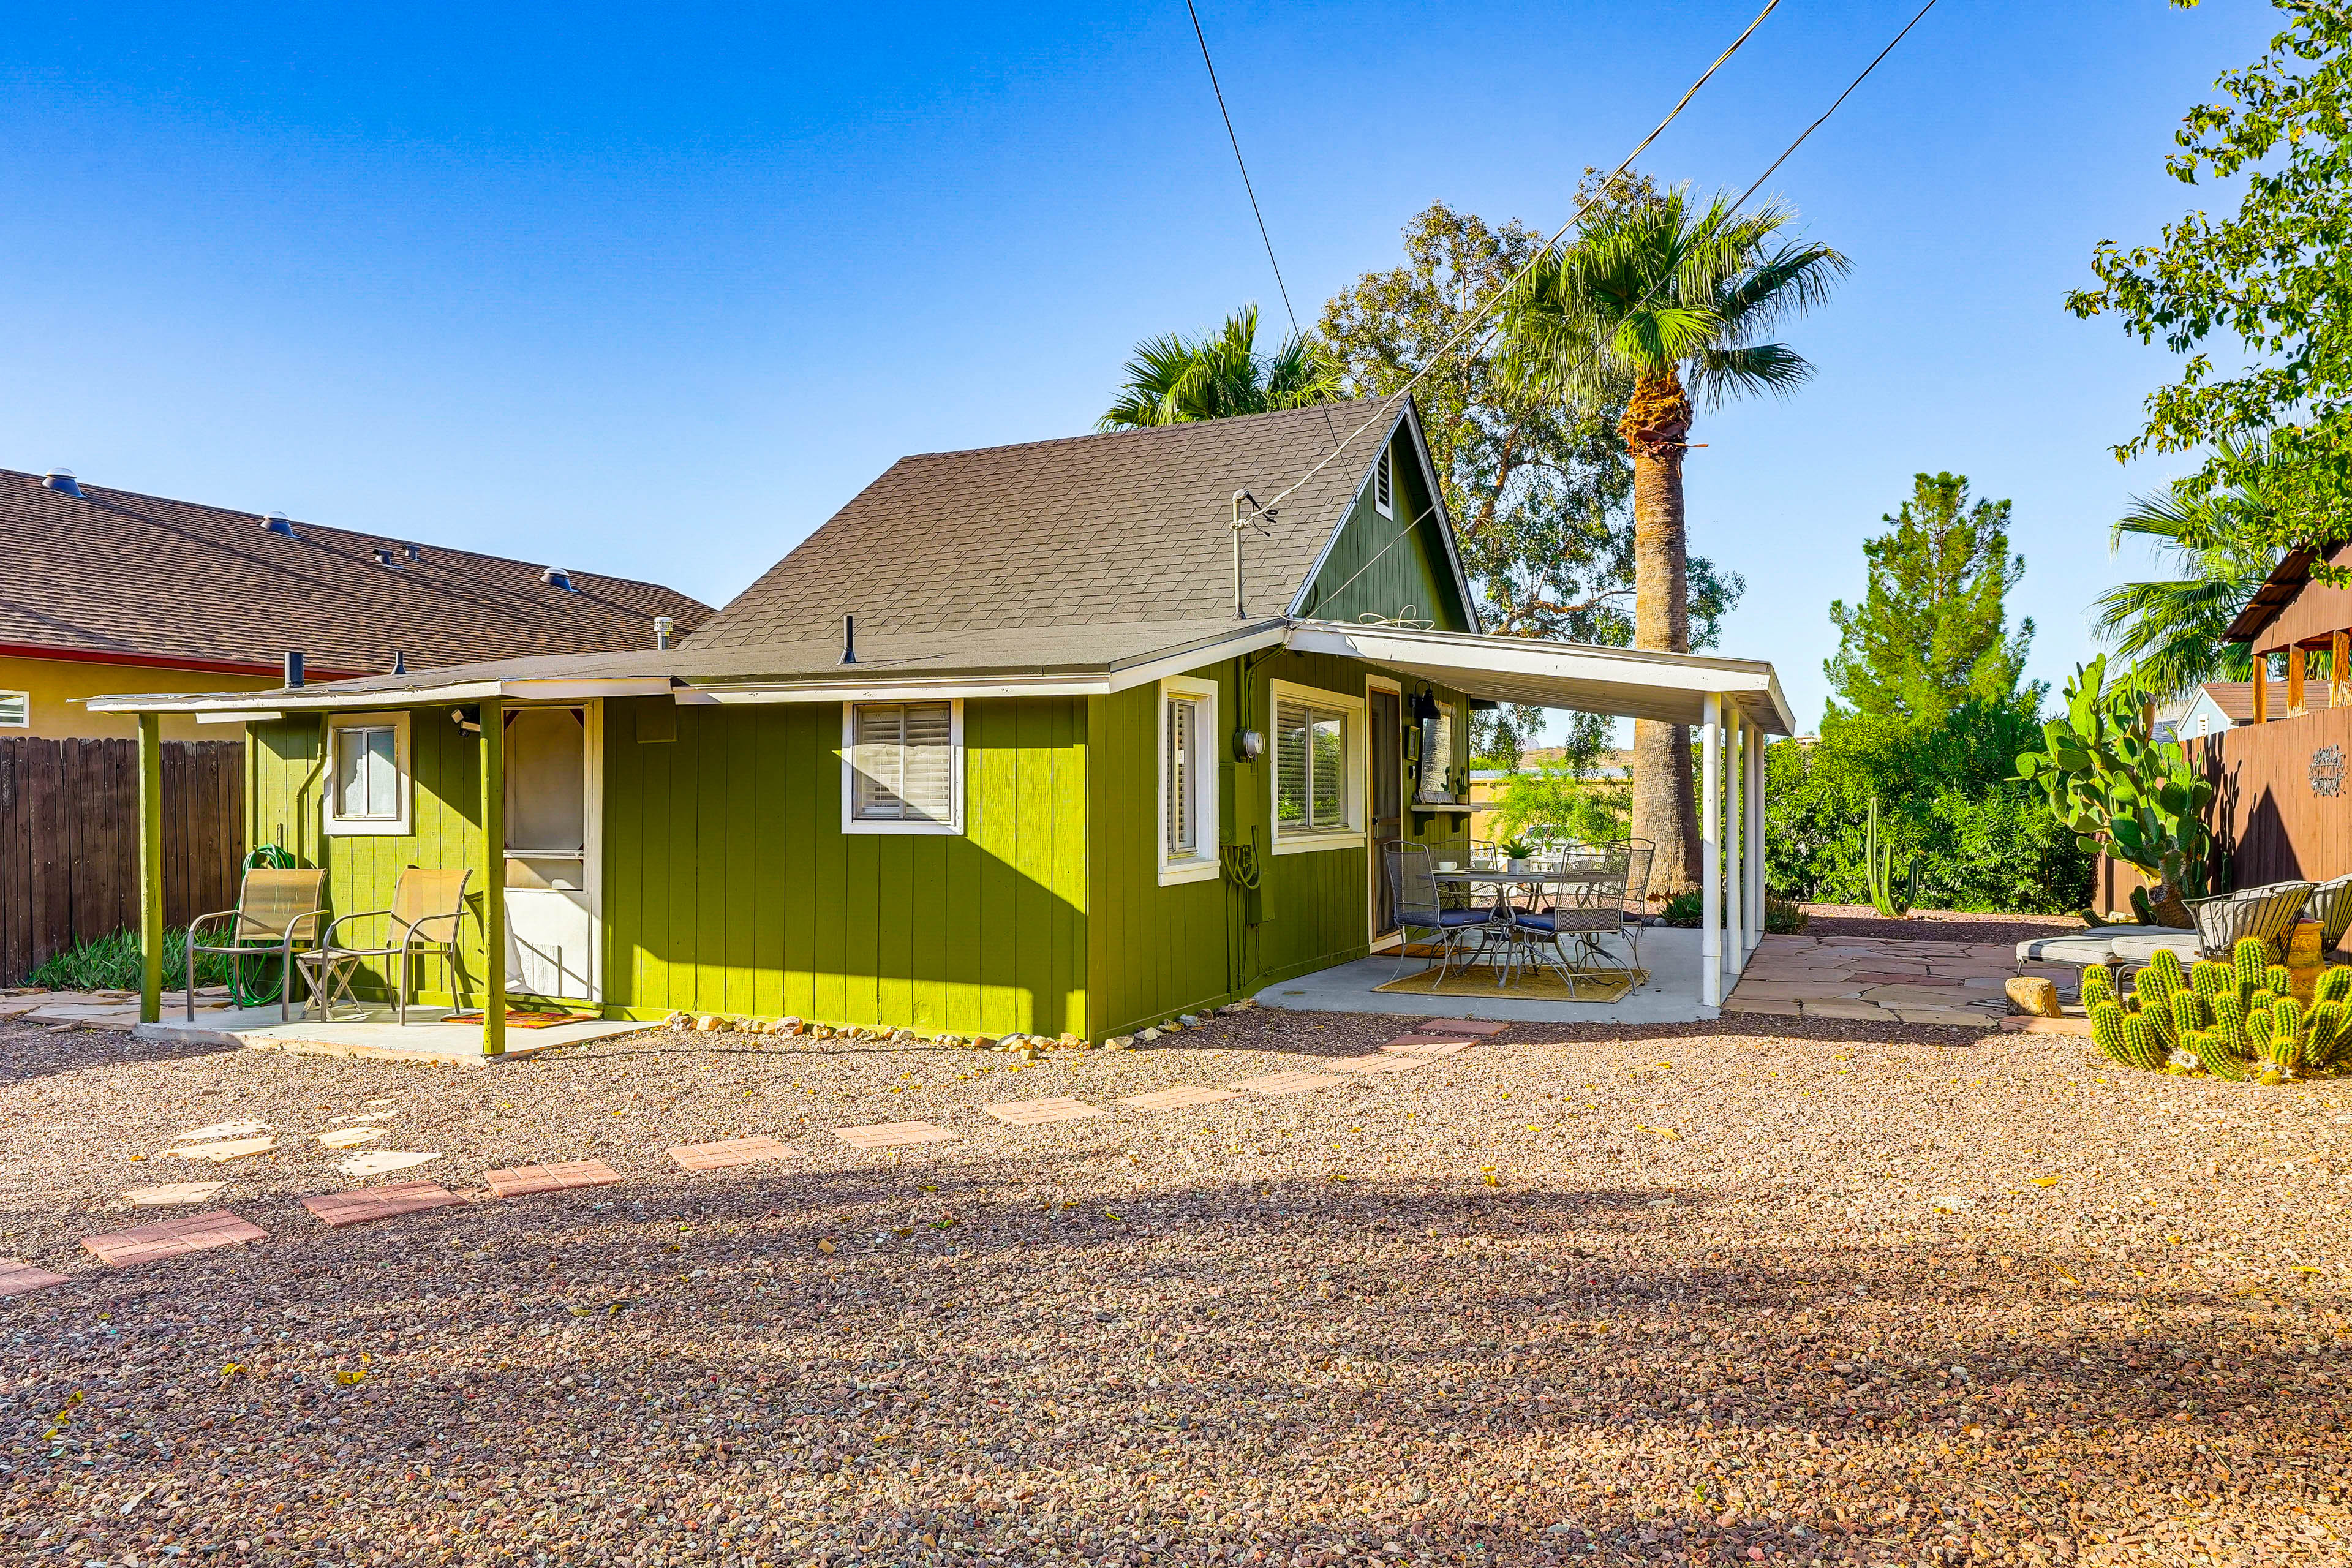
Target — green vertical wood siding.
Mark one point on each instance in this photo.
(730, 886)
(1390, 566)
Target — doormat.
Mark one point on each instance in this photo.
(1596, 985)
(516, 1020)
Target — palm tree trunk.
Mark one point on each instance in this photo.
(1657, 420)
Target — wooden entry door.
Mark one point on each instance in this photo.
(1386, 742)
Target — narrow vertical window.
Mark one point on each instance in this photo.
(1188, 781)
(1183, 778)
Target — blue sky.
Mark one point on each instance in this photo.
(653, 292)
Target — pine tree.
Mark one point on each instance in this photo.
(1932, 631)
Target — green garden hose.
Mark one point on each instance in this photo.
(268, 979)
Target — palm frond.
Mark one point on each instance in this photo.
(1719, 375)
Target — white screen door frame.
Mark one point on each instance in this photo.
(555, 932)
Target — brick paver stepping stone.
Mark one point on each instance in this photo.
(523, 1180)
(176, 1193)
(1448, 1027)
(1180, 1097)
(17, 1278)
(890, 1134)
(220, 1129)
(1412, 1048)
(147, 1243)
(383, 1161)
(728, 1153)
(1030, 1112)
(1378, 1061)
(380, 1203)
(1286, 1082)
(233, 1149)
(345, 1137)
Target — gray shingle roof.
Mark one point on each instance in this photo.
(1129, 526)
(122, 575)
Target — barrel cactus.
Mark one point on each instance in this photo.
(2240, 1021)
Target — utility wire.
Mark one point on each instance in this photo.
(1390, 401)
(1833, 108)
(1242, 164)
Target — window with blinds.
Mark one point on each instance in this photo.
(902, 762)
(1310, 769)
(1181, 790)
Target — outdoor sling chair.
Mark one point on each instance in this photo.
(275, 906)
(427, 906)
(1418, 906)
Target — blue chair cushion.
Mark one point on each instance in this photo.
(1447, 919)
(1571, 919)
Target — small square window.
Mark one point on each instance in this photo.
(903, 767)
(367, 783)
(16, 709)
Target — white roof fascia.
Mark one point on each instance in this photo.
(1625, 682)
(1250, 638)
(240, 716)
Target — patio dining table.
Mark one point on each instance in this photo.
(1504, 882)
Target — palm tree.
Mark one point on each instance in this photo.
(1172, 379)
(2172, 630)
(1660, 297)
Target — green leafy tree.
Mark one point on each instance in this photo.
(1173, 379)
(1659, 297)
(2256, 302)
(1932, 629)
(2170, 631)
(1540, 487)
(1559, 801)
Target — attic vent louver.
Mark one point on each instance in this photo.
(62, 480)
(279, 522)
(557, 578)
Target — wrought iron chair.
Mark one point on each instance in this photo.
(1415, 896)
(1585, 904)
(2227, 918)
(275, 906)
(421, 898)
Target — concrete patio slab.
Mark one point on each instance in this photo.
(521, 1181)
(892, 1134)
(1670, 995)
(424, 1039)
(1034, 1113)
(380, 1203)
(16, 1277)
(172, 1238)
(729, 1152)
(1183, 1097)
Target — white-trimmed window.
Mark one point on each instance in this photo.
(16, 709)
(1318, 766)
(902, 767)
(368, 773)
(1188, 781)
(1383, 492)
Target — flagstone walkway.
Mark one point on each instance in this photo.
(1888, 980)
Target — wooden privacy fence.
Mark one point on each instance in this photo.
(69, 840)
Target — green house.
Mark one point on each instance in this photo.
(1031, 739)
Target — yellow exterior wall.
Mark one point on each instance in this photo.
(53, 683)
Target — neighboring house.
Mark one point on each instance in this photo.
(102, 590)
(1053, 780)
(2216, 706)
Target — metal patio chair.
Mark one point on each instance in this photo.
(1417, 898)
(1584, 906)
(275, 905)
(2227, 918)
(2331, 906)
(421, 898)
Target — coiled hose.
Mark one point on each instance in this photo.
(267, 978)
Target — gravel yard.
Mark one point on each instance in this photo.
(1697, 1294)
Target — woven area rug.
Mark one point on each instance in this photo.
(517, 1019)
(1596, 985)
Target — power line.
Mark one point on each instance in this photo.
(1833, 108)
(1242, 164)
(1389, 402)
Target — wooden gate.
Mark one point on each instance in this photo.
(69, 840)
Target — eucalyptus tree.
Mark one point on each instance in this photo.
(1658, 302)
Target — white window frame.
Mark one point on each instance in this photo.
(404, 765)
(27, 721)
(1351, 788)
(853, 823)
(1202, 864)
(1384, 484)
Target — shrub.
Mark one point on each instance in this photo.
(111, 962)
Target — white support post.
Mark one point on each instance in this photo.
(1756, 836)
(1710, 853)
(1734, 861)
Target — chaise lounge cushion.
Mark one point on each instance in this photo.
(2107, 945)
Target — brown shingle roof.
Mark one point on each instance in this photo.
(124, 576)
(1128, 526)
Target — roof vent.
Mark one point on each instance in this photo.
(279, 522)
(61, 480)
(557, 578)
(385, 556)
(664, 631)
(413, 552)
